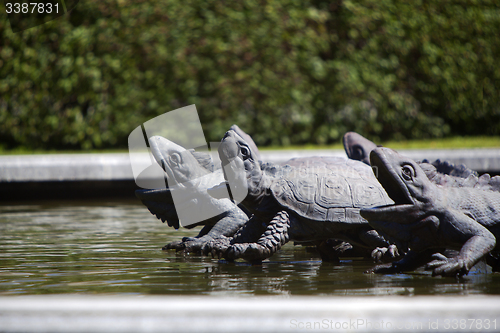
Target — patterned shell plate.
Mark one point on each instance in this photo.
(334, 191)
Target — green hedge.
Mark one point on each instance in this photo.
(288, 72)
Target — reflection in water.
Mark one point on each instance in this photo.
(115, 247)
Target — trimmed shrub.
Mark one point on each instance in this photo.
(288, 72)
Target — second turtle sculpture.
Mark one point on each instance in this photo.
(427, 218)
(439, 172)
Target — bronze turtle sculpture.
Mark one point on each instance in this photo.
(188, 166)
(295, 203)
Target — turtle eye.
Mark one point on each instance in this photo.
(357, 153)
(175, 158)
(245, 151)
(407, 172)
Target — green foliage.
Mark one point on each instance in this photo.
(288, 72)
(415, 69)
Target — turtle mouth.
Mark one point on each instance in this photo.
(391, 220)
(234, 169)
(228, 148)
(389, 178)
(357, 147)
(160, 148)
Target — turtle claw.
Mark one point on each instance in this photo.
(188, 245)
(447, 266)
(194, 246)
(386, 254)
(439, 256)
(234, 251)
(378, 253)
(177, 245)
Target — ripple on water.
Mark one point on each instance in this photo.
(115, 247)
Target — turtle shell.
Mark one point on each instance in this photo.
(332, 190)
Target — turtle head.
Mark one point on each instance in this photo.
(182, 166)
(240, 166)
(249, 141)
(407, 185)
(358, 147)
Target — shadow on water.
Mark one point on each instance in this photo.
(115, 247)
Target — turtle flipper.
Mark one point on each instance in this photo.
(274, 237)
(477, 242)
(248, 232)
(226, 226)
(191, 244)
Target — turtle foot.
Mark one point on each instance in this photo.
(444, 266)
(188, 245)
(251, 252)
(217, 247)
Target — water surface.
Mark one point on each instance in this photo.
(114, 247)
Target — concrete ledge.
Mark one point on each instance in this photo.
(66, 176)
(65, 167)
(71, 313)
(116, 166)
(480, 159)
(56, 176)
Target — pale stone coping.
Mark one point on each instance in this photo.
(66, 167)
(117, 166)
(96, 313)
(481, 159)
